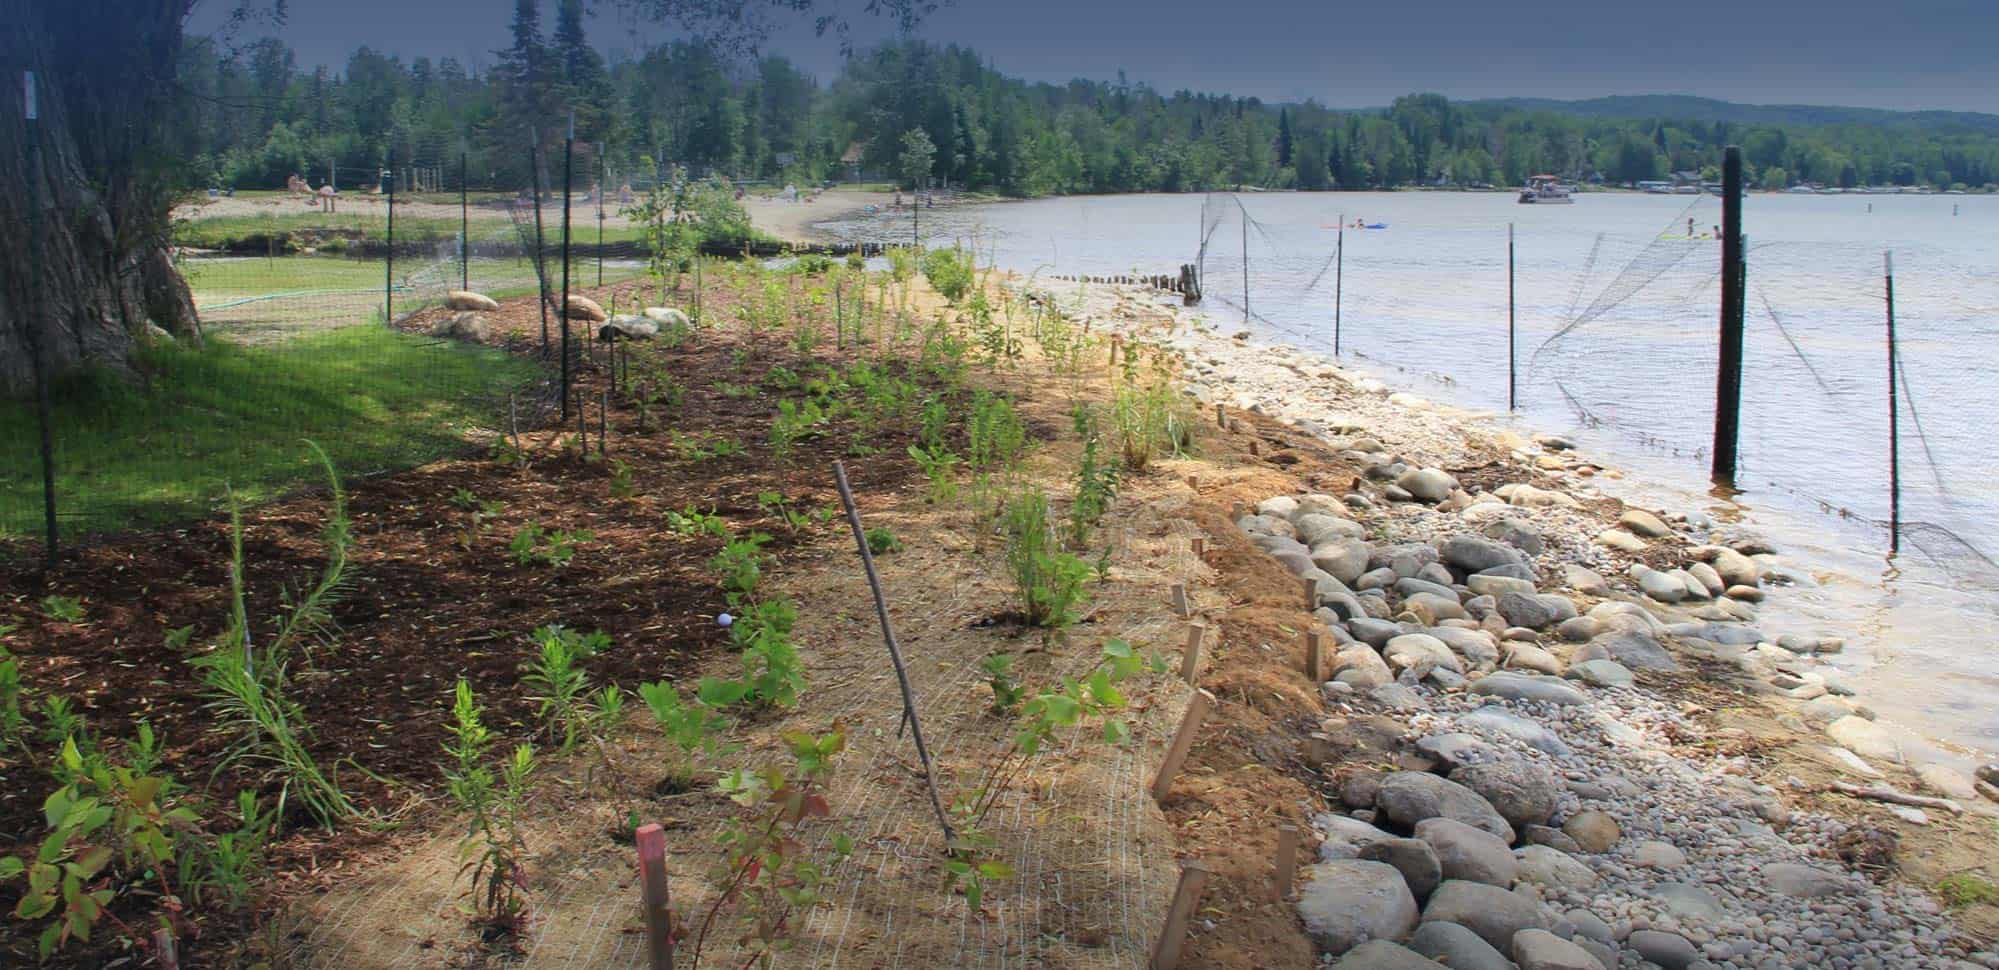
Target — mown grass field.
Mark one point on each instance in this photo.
(227, 417)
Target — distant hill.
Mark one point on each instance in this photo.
(1689, 108)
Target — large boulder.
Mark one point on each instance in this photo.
(1468, 853)
(1537, 949)
(1520, 535)
(1476, 646)
(468, 300)
(667, 316)
(1493, 913)
(1521, 792)
(1552, 868)
(1344, 559)
(1348, 902)
(1383, 955)
(1361, 667)
(1456, 947)
(1535, 611)
(468, 325)
(1498, 720)
(1518, 686)
(583, 308)
(1430, 485)
(1409, 797)
(1637, 650)
(1420, 651)
(1316, 528)
(626, 326)
(1641, 522)
(1415, 859)
(1474, 554)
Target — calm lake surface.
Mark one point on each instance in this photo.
(1615, 312)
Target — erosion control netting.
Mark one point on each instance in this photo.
(1091, 877)
(1619, 329)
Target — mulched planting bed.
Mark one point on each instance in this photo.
(424, 606)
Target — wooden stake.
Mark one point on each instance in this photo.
(1253, 453)
(1221, 416)
(894, 651)
(1200, 545)
(1186, 899)
(165, 949)
(1315, 666)
(1180, 607)
(657, 914)
(1183, 741)
(1287, 862)
(1311, 588)
(1190, 662)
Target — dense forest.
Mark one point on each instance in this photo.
(262, 117)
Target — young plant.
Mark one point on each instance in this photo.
(622, 486)
(1096, 489)
(769, 871)
(739, 566)
(13, 713)
(691, 521)
(62, 609)
(995, 434)
(771, 666)
(493, 849)
(881, 541)
(939, 466)
(949, 271)
(795, 421)
(534, 545)
(1048, 580)
(559, 685)
(1007, 692)
(689, 725)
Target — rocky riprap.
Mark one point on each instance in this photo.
(1543, 819)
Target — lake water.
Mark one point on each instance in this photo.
(1616, 316)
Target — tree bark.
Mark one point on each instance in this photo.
(100, 261)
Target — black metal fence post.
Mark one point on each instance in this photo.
(389, 261)
(540, 264)
(1894, 415)
(562, 312)
(44, 412)
(464, 225)
(603, 180)
(1339, 271)
(1728, 376)
(1512, 381)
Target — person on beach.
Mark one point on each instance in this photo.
(1690, 227)
(326, 197)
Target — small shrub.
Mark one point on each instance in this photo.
(689, 724)
(693, 521)
(939, 466)
(771, 666)
(1007, 691)
(62, 609)
(739, 566)
(995, 434)
(1048, 581)
(493, 846)
(554, 679)
(622, 486)
(881, 541)
(949, 271)
(534, 545)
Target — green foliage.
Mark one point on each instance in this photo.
(561, 688)
(1964, 889)
(106, 814)
(1146, 421)
(493, 849)
(950, 272)
(378, 398)
(622, 486)
(691, 521)
(739, 566)
(771, 666)
(249, 689)
(939, 467)
(13, 715)
(1096, 484)
(62, 609)
(689, 724)
(881, 541)
(1048, 581)
(1007, 692)
(536, 546)
(902, 262)
(994, 433)
(769, 869)
(795, 421)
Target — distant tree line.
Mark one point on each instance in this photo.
(264, 117)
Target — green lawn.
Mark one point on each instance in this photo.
(231, 416)
(221, 232)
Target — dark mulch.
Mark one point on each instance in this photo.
(425, 607)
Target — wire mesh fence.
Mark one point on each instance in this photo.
(305, 296)
(1618, 330)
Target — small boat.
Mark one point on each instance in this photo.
(1545, 190)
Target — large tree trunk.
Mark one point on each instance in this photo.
(96, 269)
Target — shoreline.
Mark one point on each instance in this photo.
(1770, 694)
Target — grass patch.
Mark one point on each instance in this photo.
(1964, 889)
(220, 280)
(224, 232)
(226, 415)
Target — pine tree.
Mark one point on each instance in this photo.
(584, 87)
(523, 75)
(1283, 138)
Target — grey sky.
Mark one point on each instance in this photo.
(1919, 54)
